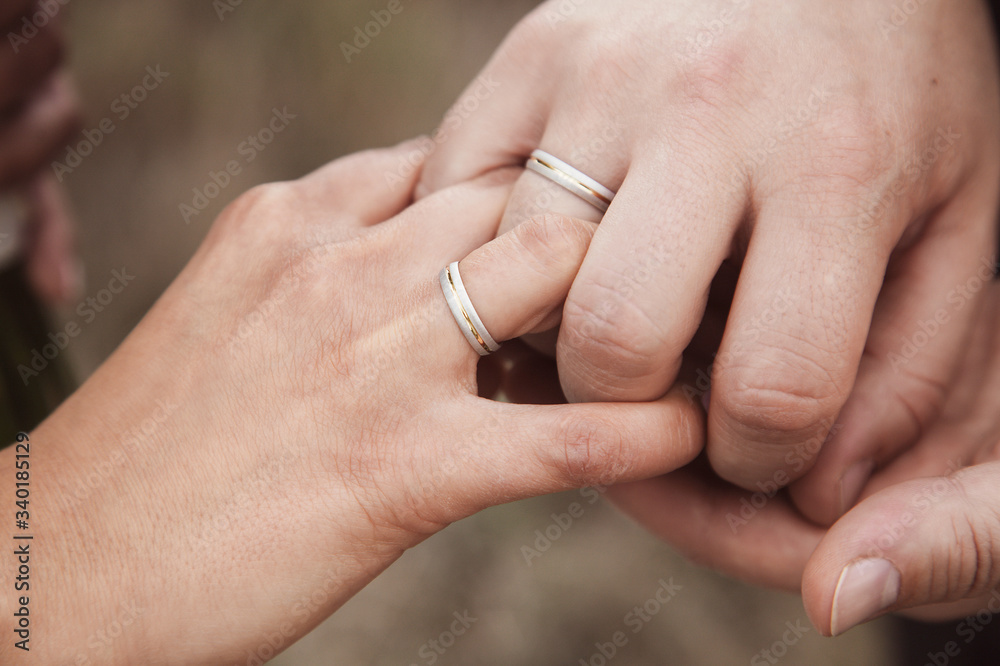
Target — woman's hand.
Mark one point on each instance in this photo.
(929, 517)
(297, 410)
(846, 156)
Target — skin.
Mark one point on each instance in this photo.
(308, 410)
(376, 451)
(932, 512)
(848, 174)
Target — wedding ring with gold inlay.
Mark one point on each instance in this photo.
(551, 167)
(464, 312)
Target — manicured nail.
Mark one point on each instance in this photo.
(865, 589)
(852, 483)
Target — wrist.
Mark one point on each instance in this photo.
(152, 530)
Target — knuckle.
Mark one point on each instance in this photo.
(593, 453)
(972, 566)
(257, 205)
(782, 396)
(613, 334)
(538, 23)
(921, 397)
(855, 153)
(713, 76)
(551, 241)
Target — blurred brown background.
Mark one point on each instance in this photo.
(225, 77)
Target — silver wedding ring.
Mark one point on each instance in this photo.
(571, 178)
(464, 312)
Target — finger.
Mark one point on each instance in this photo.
(929, 541)
(371, 186)
(451, 223)
(500, 117)
(755, 537)
(595, 149)
(920, 327)
(44, 125)
(967, 429)
(53, 267)
(519, 451)
(517, 280)
(640, 295)
(796, 332)
(521, 276)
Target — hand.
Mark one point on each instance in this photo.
(298, 409)
(927, 535)
(846, 167)
(39, 112)
(931, 514)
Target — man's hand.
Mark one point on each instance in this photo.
(924, 540)
(844, 160)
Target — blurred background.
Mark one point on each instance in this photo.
(231, 63)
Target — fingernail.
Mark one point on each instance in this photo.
(865, 589)
(853, 482)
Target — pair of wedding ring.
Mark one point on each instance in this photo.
(559, 172)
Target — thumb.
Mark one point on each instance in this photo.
(927, 541)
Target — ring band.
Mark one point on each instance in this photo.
(574, 180)
(464, 312)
